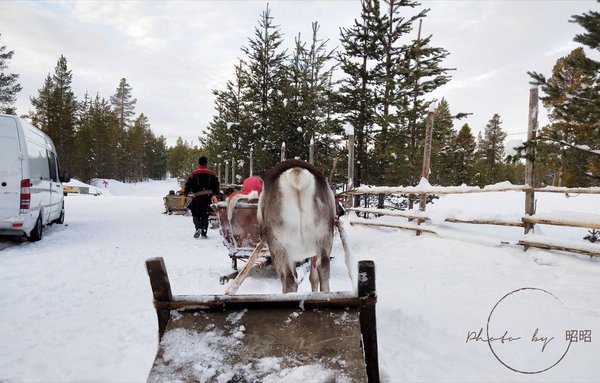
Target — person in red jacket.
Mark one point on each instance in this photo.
(204, 184)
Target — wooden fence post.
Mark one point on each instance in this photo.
(161, 290)
(233, 171)
(219, 172)
(311, 152)
(226, 172)
(427, 152)
(530, 155)
(251, 162)
(350, 132)
(282, 152)
(368, 318)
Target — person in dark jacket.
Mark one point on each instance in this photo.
(204, 184)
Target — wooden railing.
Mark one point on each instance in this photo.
(527, 221)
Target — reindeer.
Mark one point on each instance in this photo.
(296, 213)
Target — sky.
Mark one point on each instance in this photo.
(174, 53)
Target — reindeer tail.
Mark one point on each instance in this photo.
(299, 178)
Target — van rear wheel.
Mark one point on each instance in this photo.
(60, 220)
(37, 232)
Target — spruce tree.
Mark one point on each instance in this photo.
(56, 112)
(355, 96)
(465, 149)
(423, 71)
(123, 105)
(136, 137)
(443, 149)
(393, 26)
(231, 133)
(491, 148)
(9, 87)
(263, 75)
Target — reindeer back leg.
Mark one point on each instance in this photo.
(287, 274)
(323, 266)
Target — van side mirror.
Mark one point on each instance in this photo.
(66, 177)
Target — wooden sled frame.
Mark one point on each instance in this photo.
(364, 301)
(239, 229)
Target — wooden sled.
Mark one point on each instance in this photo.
(245, 338)
(240, 232)
(173, 205)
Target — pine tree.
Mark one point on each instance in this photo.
(443, 149)
(232, 132)
(423, 73)
(465, 149)
(567, 163)
(355, 97)
(491, 148)
(390, 88)
(134, 145)
(85, 143)
(97, 140)
(9, 87)
(263, 74)
(182, 159)
(56, 112)
(572, 94)
(156, 155)
(123, 105)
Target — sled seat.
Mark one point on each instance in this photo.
(245, 338)
(239, 229)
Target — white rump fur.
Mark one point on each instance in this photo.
(302, 227)
(297, 223)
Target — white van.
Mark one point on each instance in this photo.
(31, 192)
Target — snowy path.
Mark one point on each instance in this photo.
(77, 306)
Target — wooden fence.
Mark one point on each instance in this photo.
(416, 218)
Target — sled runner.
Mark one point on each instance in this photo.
(265, 337)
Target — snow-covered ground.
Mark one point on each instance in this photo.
(77, 306)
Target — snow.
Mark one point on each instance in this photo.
(77, 306)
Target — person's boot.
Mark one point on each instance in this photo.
(204, 226)
(198, 233)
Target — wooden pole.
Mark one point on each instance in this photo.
(251, 162)
(427, 152)
(350, 131)
(282, 152)
(226, 172)
(368, 318)
(161, 290)
(219, 172)
(530, 154)
(237, 282)
(311, 152)
(233, 171)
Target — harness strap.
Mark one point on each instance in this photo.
(203, 192)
